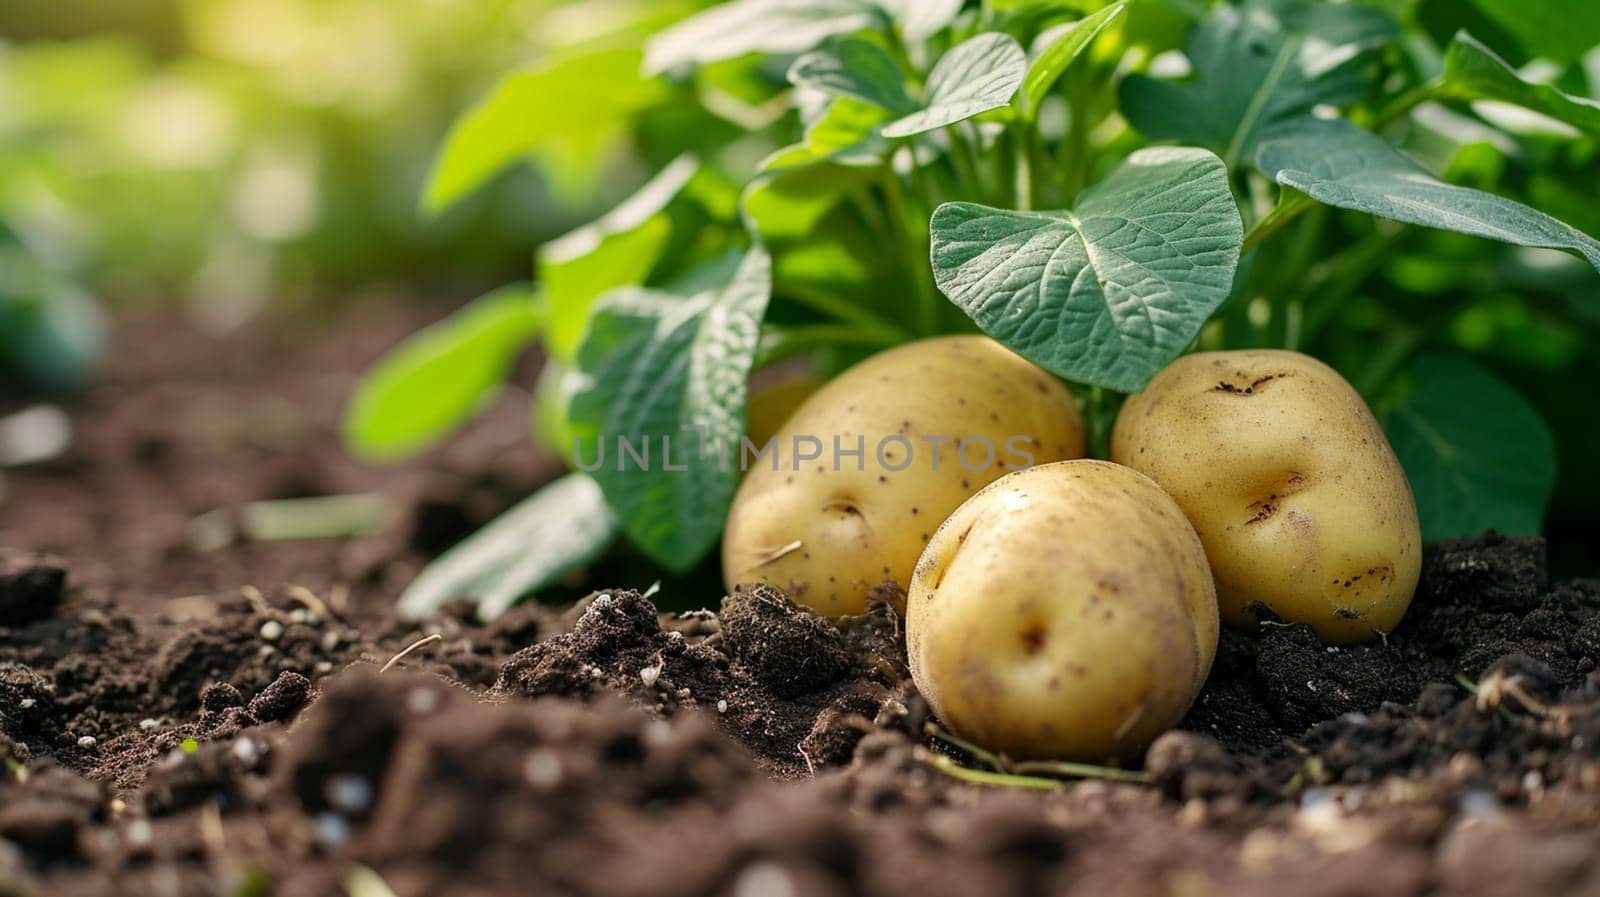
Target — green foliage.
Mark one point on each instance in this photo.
(667, 373)
(559, 528)
(1339, 164)
(441, 377)
(51, 331)
(1472, 71)
(1256, 67)
(1477, 455)
(1110, 292)
(871, 171)
(569, 111)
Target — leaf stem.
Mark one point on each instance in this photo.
(1024, 179)
(841, 309)
(1287, 209)
(1407, 101)
(778, 343)
(914, 255)
(1081, 771)
(954, 770)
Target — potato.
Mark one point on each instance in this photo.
(1304, 510)
(1063, 612)
(828, 527)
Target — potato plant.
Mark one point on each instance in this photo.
(1099, 187)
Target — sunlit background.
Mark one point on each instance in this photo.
(227, 154)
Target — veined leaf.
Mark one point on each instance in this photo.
(977, 75)
(561, 527)
(577, 106)
(438, 379)
(1339, 164)
(1478, 456)
(1111, 291)
(1256, 67)
(617, 250)
(1069, 44)
(733, 29)
(854, 67)
(667, 372)
(1472, 71)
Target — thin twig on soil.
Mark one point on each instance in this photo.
(425, 640)
(1472, 688)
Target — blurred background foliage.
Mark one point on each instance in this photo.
(230, 153)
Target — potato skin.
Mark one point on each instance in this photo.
(1291, 484)
(1066, 612)
(828, 536)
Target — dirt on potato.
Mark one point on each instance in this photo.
(179, 720)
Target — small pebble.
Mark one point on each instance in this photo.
(272, 630)
(148, 725)
(246, 751)
(27, 703)
(348, 794)
(330, 640)
(332, 830)
(649, 675)
(722, 706)
(323, 666)
(299, 615)
(421, 701)
(542, 769)
(87, 741)
(140, 833)
(765, 879)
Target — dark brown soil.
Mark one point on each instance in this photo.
(176, 720)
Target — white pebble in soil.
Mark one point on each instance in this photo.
(348, 794)
(542, 769)
(332, 830)
(272, 630)
(765, 879)
(87, 742)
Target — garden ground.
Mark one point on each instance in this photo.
(186, 711)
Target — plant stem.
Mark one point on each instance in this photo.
(1340, 276)
(842, 310)
(914, 255)
(1407, 101)
(993, 761)
(778, 343)
(1081, 771)
(1286, 210)
(1397, 346)
(979, 777)
(1024, 179)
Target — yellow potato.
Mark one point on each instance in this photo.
(1288, 479)
(829, 527)
(1063, 612)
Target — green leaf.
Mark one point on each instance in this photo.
(620, 249)
(854, 67)
(1069, 44)
(977, 75)
(921, 19)
(1478, 456)
(660, 366)
(1256, 67)
(1560, 30)
(1339, 164)
(1111, 291)
(563, 526)
(797, 185)
(733, 29)
(1472, 71)
(572, 108)
(440, 377)
(52, 333)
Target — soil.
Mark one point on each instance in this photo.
(180, 717)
